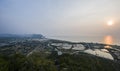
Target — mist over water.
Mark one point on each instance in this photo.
(95, 39)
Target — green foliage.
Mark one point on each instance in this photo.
(86, 62)
(41, 63)
(3, 64)
(65, 62)
(18, 62)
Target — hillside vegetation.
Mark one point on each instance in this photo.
(52, 62)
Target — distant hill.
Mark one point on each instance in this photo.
(21, 36)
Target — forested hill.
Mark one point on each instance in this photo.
(21, 36)
(66, 62)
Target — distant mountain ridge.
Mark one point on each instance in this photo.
(22, 35)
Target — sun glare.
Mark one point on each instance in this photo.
(110, 23)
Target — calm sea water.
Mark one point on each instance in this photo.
(95, 39)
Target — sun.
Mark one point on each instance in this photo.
(110, 23)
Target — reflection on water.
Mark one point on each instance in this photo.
(95, 39)
(108, 40)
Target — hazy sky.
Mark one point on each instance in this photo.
(60, 17)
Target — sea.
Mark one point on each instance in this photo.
(91, 39)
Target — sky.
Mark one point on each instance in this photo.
(60, 17)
